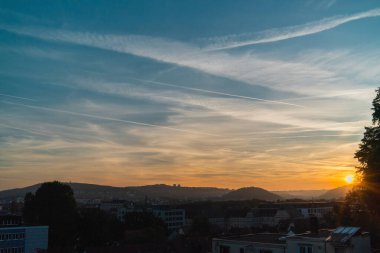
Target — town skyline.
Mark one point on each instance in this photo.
(229, 95)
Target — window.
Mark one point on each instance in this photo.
(306, 249)
(224, 249)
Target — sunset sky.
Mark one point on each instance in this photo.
(265, 93)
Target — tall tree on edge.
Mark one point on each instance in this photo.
(369, 157)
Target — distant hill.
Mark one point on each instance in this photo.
(17, 192)
(337, 193)
(301, 194)
(167, 192)
(134, 193)
(248, 193)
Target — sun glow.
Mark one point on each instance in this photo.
(349, 179)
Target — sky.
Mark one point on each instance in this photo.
(228, 93)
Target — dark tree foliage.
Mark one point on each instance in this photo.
(97, 228)
(54, 205)
(139, 220)
(144, 227)
(200, 227)
(369, 157)
(29, 212)
(362, 205)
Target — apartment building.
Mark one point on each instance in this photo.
(173, 218)
(16, 238)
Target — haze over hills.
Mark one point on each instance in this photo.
(336, 193)
(162, 191)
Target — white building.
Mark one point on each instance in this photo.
(16, 238)
(173, 218)
(255, 243)
(306, 209)
(340, 240)
(258, 217)
(23, 239)
(317, 211)
(115, 208)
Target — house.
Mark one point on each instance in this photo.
(340, 240)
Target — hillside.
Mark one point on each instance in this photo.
(248, 193)
(162, 191)
(337, 193)
(92, 191)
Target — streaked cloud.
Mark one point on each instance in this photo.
(285, 33)
(248, 67)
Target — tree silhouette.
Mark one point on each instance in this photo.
(369, 157)
(144, 227)
(97, 228)
(54, 205)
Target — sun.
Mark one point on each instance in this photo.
(349, 179)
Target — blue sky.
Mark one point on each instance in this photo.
(273, 94)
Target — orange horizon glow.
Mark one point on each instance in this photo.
(279, 184)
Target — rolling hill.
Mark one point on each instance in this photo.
(248, 193)
(134, 193)
(167, 192)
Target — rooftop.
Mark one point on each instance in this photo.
(272, 238)
(341, 235)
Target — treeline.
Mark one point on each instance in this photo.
(72, 229)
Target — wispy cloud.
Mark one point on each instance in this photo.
(250, 68)
(274, 35)
(313, 117)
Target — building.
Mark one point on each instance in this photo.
(340, 240)
(16, 238)
(116, 208)
(306, 209)
(255, 243)
(257, 217)
(173, 218)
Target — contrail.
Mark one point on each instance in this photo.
(217, 93)
(108, 118)
(353, 92)
(23, 98)
(273, 35)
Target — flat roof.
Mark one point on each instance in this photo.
(272, 238)
(322, 234)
